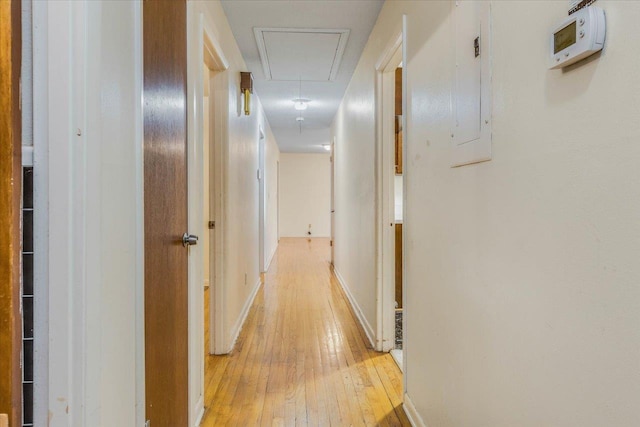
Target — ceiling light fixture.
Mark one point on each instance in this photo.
(300, 104)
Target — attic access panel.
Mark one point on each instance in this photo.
(291, 54)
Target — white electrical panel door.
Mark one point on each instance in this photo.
(471, 91)
(466, 94)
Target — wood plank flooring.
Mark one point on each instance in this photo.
(302, 358)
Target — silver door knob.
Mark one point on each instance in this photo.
(189, 239)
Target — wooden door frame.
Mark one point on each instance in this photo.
(391, 56)
(10, 217)
(204, 48)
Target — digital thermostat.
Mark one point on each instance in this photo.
(580, 35)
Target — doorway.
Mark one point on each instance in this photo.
(211, 124)
(390, 182)
(208, 213)
(398, 186)
(208, 92)
(261, 201)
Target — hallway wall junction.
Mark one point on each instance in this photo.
(521, 277)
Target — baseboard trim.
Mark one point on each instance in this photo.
(368, 330)
(237, 328)
(397, 357)
(273, 255)
(306, 236)
(199, 411)
(414, 418)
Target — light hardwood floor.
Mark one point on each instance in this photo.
(302, 358)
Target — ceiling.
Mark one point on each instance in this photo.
(301, 49)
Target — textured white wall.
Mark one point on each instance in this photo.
(521, 293)
(354, 130)
(305, 195)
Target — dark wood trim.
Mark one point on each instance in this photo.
(398, 145)
(398, 122)
(10, 197)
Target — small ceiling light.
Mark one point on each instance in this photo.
(300, 104)
(327, 147)
(299, 119)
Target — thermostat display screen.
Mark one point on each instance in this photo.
(577, 37)
(564, 38)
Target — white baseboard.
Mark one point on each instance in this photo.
(397, 356)
(368, 330)
(306, 236)
(266, 267)
(414, 418)
(199, 411)
(235, 332)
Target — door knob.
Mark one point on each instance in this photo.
(189, 239)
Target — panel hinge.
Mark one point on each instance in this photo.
(330, 242)
(212, 225)
(476, 46)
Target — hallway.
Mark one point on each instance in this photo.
(302, 358)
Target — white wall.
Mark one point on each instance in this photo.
(239, 221)
(354, 129)
(88, 151)
(398, 198)
(305, 195)
(87, 139)
(272, 157)
(521, 296)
